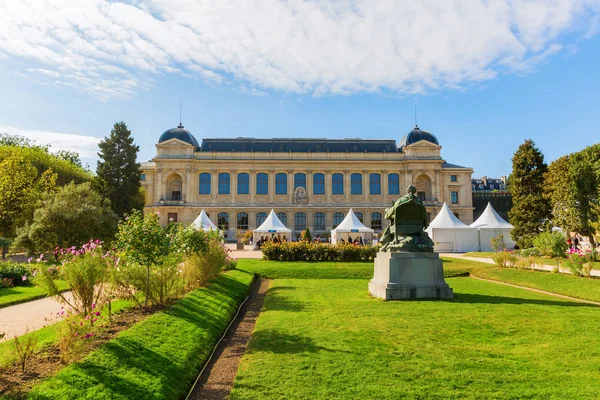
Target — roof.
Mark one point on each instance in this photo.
(204, 223)
(351, 223)
(179, 133)
(490, 219)
(272, 224)
(416, 135)
(296, 145)
(448, 165)
(445, 219)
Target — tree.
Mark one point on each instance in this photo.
(17, 192)
(118, 172)
(70, 156)
(72, 216)
(530, 208)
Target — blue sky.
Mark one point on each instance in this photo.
(483, 78)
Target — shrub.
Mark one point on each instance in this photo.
(199, 268)
(504, 259)
(530, 252)
(579, 263)
(188, 241)
(304, 251)
(24, 349)
(497, 243)
(17, 274)
(306, 235)
(550, 244)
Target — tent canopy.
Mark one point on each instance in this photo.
(204, 223)
(273, 225)
(450, 234)
(445, 219)
(490, 219)
(351, 224)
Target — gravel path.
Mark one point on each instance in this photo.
(15, 320)
(218, 377)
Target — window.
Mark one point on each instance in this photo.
(205, 183)
(319, 183)
(300, 221)
(375, 184)
(319, 220)
(359, 215)
(282, 217)
(454, 197)
(223, 221)
(243, 186)
(337, 184)
(356, 184)
(142, 177)
(421, 196)
(299, 180)
(338, 217)
(172, 217)
(453, 178)
(223, 183)
(375, 220)
(242, 221)
(262, 183)
(393, 184)
(260, 218)
(281, 183)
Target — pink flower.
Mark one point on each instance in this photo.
(24, 278)
(97, 313)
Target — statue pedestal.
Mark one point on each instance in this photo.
(408, 276)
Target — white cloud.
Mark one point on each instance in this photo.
(86, 146)
(112, 49)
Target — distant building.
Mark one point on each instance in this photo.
(492, 190)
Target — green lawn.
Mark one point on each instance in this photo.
(328, 339)
(548, 261)
(22, 294)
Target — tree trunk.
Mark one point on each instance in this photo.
(4, 249)
(592, 242)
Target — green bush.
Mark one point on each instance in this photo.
(550, 244)
(531, 252)
(497, 243)
(305, 251)
(505, 258)
(199, 267)
(14, 274)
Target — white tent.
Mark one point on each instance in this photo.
(490, 225)
(449, 234)
(204, 223)
(351, 227)
(272, 227)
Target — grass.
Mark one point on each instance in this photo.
(547, 261)
(159, 357)
(328, 339)
(481, 254)
(22, 294)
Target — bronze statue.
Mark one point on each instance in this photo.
(408, 219)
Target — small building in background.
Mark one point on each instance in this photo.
(491, 190)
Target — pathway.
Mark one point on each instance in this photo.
(33, 315)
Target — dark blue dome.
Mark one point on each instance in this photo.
(417, 135)
(179, 133)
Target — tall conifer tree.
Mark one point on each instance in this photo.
(530, 209)
(118, 170)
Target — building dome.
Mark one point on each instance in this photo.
(179, 133)
(417, 135)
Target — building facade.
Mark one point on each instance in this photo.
(309, 182)
(491, 190)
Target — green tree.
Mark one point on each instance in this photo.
(530, 208)
(118, 171)
(70, 156)
(17, 192)
(72, 216)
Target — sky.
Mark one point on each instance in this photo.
(483, 75)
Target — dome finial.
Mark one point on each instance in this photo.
(180, 115)
(416, 126)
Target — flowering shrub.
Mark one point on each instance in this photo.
(77, 330)
(188, 241)
(14, 274)
(304, 251)
(579, 263)
(550, 244)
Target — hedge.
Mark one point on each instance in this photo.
(305, 251)
(158, 358)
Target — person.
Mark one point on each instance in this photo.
(342, 240)
(350, 240)
(570, 243)
(576, 242)
(361, 241)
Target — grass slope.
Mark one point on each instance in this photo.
(22, 294)
(158, 358)
(327, 339)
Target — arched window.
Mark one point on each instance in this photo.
(282, 217)
(260, 218)
(375, 184)
(376, 221)
(319, 221)
(242, 221)
(356, 183)
(359, 215)
(393, 184)
(338, 217)
(300, 221)
(205, 183)
(223, 221)
(243, 183)
(224, 183)
(281, 183)
(299, 180)
(262, 183)
(337, 184)
(318, 183)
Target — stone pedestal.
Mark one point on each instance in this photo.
(408, 276)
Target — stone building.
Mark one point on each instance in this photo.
(491, 190)
(309, 182)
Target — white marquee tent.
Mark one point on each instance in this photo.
(490, 225)
(450, 234)
(204, 223)
(272, 227)
(351, 227)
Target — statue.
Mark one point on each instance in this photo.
(408, 219)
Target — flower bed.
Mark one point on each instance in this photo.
(305, 251)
